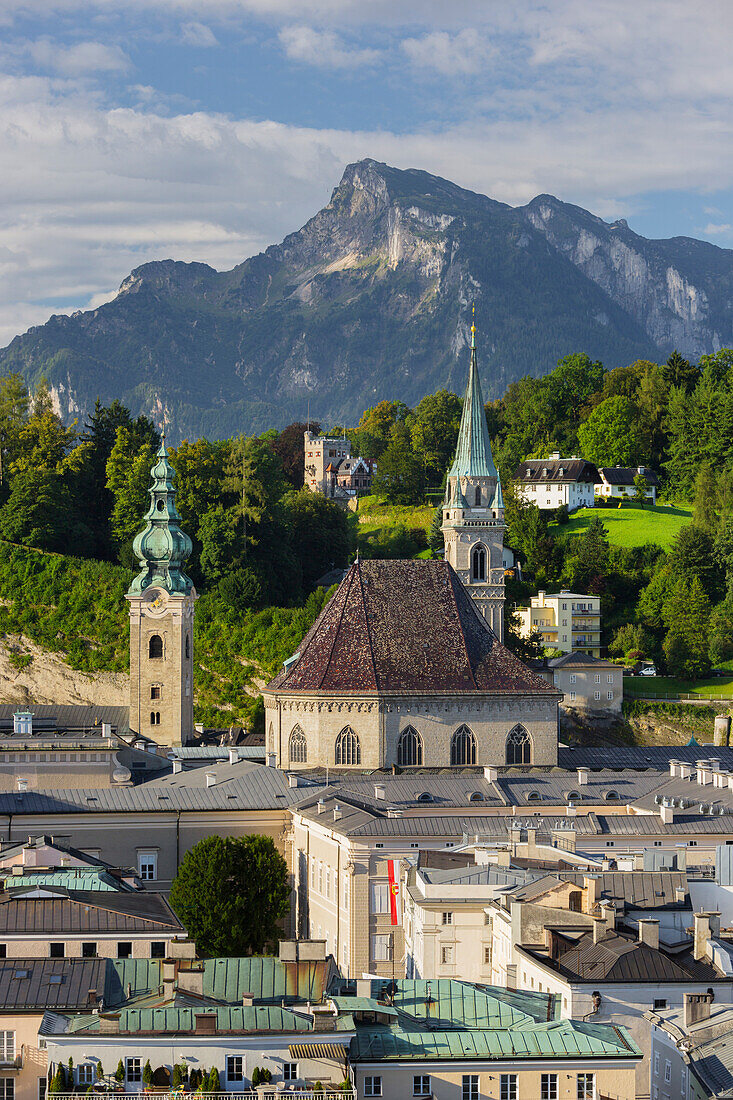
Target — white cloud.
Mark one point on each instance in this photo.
(198, 34)
(717, 230)
(78, 59)
(323, 49)
(461, 54)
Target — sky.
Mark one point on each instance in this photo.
(207, 130)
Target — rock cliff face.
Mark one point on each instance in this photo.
(47, 680)
(371, 299)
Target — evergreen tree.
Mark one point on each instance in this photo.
(680, 372)
(692, 557)
(687, 616)
(436, 541)
(147, 1073)
(399, 474)
(120, 1072)
(705, 513)
(641, 488)
(214, 1082)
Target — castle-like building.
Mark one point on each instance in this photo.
(162, 601)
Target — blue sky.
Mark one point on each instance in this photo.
(207, 130)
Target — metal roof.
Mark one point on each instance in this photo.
(84, 912)
(621, 958)
(250, 1018)
(28, 985)
(445, 1003)
(640, 756)
(473, 456)
(67, 878)
(266, 978)
(59, 718)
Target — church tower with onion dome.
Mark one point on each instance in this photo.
(162, 601)
(473, 509)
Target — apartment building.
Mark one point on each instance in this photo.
(568, 621)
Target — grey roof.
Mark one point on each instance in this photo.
(638, 889)
(486, 874)
(687, 791)
(60, 718)
(624, 475)
(622, 958)
(82, 911)
(558, 787)
(216, 752)
(28, 985)
(640, 757)
(557, 470)
(579, 659)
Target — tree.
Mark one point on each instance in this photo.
(687, 616)
(371, 436)
(632, 642)
(128, 479)
(590, 560)
(120, 1072)
(230, 894)
(290, 447)
(147, 1073)
(434, 432)
(705, 513)
(436, 542)
(721, 631)
(641, 488)
(680, 372)
(58, 1081)
(723, 550)
(612, 435)
(40, 512)
(176, 1077)
(220, 542)
(527, 647)
(399, 474)
(692, 557)
(214, 1084)
(322, 534)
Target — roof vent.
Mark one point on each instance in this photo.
(210, 779)
(23, 723)
(320, 805)
(380, 791)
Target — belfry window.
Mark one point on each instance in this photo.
(155, 646)
(478, 564)
(155, 718)
(409, 748)
(348, 747)
(463, 747)
(518, 746)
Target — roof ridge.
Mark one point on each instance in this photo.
(452, 585)
(366, 622)
(344, 604)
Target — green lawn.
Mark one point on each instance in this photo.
(393, 530)
(632, 525)
(669, 687)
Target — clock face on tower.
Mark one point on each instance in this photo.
(157, 601)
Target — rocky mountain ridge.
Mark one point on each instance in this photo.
(372, 299)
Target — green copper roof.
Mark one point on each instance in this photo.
(162, 547)
(473, 453)
(559, 1039)
(228, 1018)
(67, 879)
(444, 1003)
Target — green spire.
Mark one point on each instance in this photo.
(162, 547)
(473, 453)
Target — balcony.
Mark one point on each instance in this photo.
(281, 1091)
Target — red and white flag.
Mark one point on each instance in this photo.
(395, 897)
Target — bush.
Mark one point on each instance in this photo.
(255, 1077)
(120, 1072)
(147, 1073)
(214, 1083)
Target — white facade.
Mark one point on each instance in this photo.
(553, 482)
(567, 621)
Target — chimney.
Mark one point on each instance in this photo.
(706, 925)
(684, 769)
(324, 1018)
(233, 756)
(666, 812)
(177, 767)
(92, 996)
(679, 895)
(720, 779)
(337, 812)
(714, 763)
(380, 791)
(599, 929)
(320, 806)
(491, 774)
(248, 999)
(590, 885)
(608, 914)
(271, 760)
(704, 772)
(649, 932)
(106, 729)
(583, 774)
(673, 767)
(293, 781)
(697, 1008)
(210, 779)
(511, 976)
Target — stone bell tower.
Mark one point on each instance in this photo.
(162, 600)
(473, 509)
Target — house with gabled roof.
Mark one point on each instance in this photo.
(553, 482)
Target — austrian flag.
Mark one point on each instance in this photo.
(395, 900)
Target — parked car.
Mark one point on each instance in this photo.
(650, 670)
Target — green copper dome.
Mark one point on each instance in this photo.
(162, 547)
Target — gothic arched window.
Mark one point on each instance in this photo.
(478, 496)
(478, 563)
(155, 646)
(348, 748)
(298, 746)
(518, 746)
(463, 747)
(409, 748)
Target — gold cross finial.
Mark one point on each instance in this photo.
(473, 325)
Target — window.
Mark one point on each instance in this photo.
(380, 897)
(3, 951)
(518, 746)
(372, 1086)
(348, 750)
(157, 949)
(235, 1069)
(586, 1086)
(7, 1046)
(609, 695)
(487, 955)
(667, 1071)
(7, 1088)
(124, 950)
(469, 1090)
(421, 1084)
(572, 695)
(478, 564)
(548, 1086)
(573, 678)
(42, 1083)
(659, 1003)
(85, 1073)
(596, 695)
(575, 901)
(89, 951)
(409, 748)
(188, 647)
(155, 691)
(609, 679)
(147, 865)
(381, 948)
(56, 950)
(155, 649)
(155, 718)
(447, 918)
(290, 1071)
(298, 746)
(446, 955)
(683, 1082)
(133, 1071)
(478, 496)
(508, 1086)
(463, 747)
(597, 678)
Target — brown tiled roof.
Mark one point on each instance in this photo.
(398, 627)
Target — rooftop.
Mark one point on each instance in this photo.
(81, 912)
(557, 470)
(403, 627)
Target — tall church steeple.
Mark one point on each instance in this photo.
(162, 602)
(473, 509)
